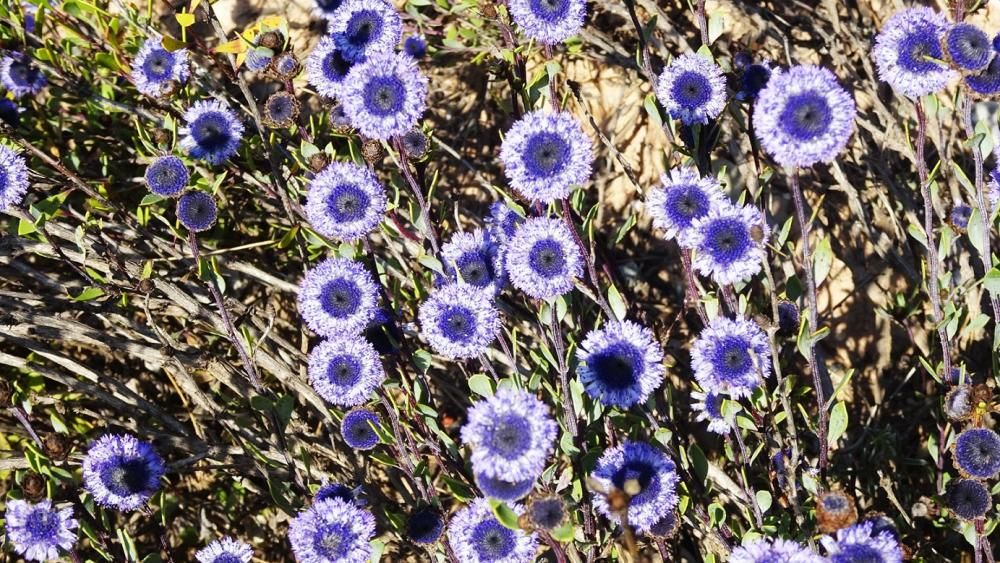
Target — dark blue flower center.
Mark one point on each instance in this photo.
(547, 513)
(857, 553)
(504, 490)
(360, 431)
(281, 108)
(196, 210)
(344, 370)
(755, 77)
(341, 298)
(726, 240)
(920, 50)
(492, 541)
(333, 541)
(552, 11)
(335, 66)
(686, 203)
(731, 356)
(475, 268)
(969, 499)
(167, 175)
(969, 47)
(713, 405)
(987, 82)
(227, 558)
(510, 436)
(546, 154)
(457, 323)
(334, 490)
(211, 130)
(42, 524)
(636, 474)
(347, 203)
(159, 65)
(364, 27)
(547, 258)
(806, 116)
(617, 366)
(23, 73)
(125, 477)
(384, 95)
(3, 179)
(424, 526)
(692, 89)
(978, 452)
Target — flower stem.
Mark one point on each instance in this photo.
(587, 257)
(404, 166)
(702, 21)
(569, 412)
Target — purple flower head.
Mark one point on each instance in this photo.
(156, 71)
(345, 201)
(286, 65)
(683, 197)
(908, 53)
(30, 11)
(20, 75)
(476, 536)
(365, 27)
(281, 109)
(474, 259)
(646, 474)
(327, 8)
(326, 68)
(621, 364)
(996, 43)
(196, 210)
(385, 96)
(424, 525)
(968, 47)
(415, 46)
(40, 532)
(993, 189)
(121, 471)
(547, 512)
(788, 318)
(774, 550)
(167, 176)
(960, 215)
(709, 407)
(345, 370)
(977, 453)
(546, 154)
(338, 297)
(511, 434)
(501, 489)
(502, 221)
(258, 58)
(859, 543)
(459, 321)
(666, 527)
(415, 143)
(804, 116)
(358, 429)
(336, 490)
(225, 550)
(692, 89)
(13, 178)
(212, 131)
(731, 356)
(986, 84)
(9, 112)
(729, 243)
(331, 531)
(542, 259)
(548, 21)
(968, 499)
(752, 79)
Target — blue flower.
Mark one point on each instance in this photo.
(546, 154)
(13, 178)
(542, 258)
(502, 221)
(548, 21)
(338, 297)
(358, 429)
(332, 531)
(459, 321)
(908, 53)
(683, 197)
(986, 84)
(167, 176)
(286, 66)
(196, 210)
(212, 131)
(345, 201)
(692, 88)
(415, 46)
(977, 453)
(960, 215)
(752, 80)
(384, 96)
(968, 47)
(336, 490)
(709, 407)
(803, 116)
(365, 27)
(729, 243)
(122, 472)
(345, 370)
(502, 489)
(156, 71)
(547, 512)
(646, 474)
(225, 550)
(424, 525)
(477, 536)
(621, 364)
(859, 543)
(327, 8)
(326, 68)
(474, 259)
(968, 499)
(731, 356)
(281, 110)
(40, 532)
(771, 550)
(10, 113)
(511, 434)
(20, 75)
(258, 57)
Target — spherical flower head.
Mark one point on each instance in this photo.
(709, 407)
(225, 550)
(167, 176)
(385, 96)
(692, 88)
(729, 243)
(10, 113)
(40, 532)
(959, 402)
(345, 370)
(281, 110)
(731, 356)
(968, 499)
(666, 527)
(511, 434)
(621, 364)
(258, 58)
(804, 116)
(336, 490)
(548, 22)
(345, 201)
(122, 472)
(776, 550)
(327, 8)
(415, 46)
(13, 178)
(646, 474)
(752, 80)
(20, 75)
(986, 84)
(967, 47)
(477, 536)
(502, 221)
(196, 210)
(683, 197)
(908, 52)
(835, 509)
(977, 453)
(358, 429)
(365, 27)
(474, 258)
(156, 71)
(993, 189)
(212, 131)
(502, 489)
(547, 512)
(545, 154)
(788, 318)
(326, 68)
(286, 66)
(459, 321)
(338, 297)
(332, 530)
(424, 526)
(542, 258)
(960, 215)
(415, 143)
(859, 543)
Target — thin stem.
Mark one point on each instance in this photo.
(730, 297)
(404, 166)
(702, 21)
(22, 417)
(569, 411)
(751, 497)
(587, 257)
(692, 295)
(647, 67)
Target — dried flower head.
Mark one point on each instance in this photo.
(281, 110)
(424, 525)
(835, 510)
(968, 499)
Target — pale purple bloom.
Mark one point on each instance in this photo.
(332, 531)
(365, 27)
(709, 407)
(345, 370)
(40, 531)
(861, 543)
(122, 472)
(476, 259)
(338, 298)
(776, 550)
(548, 21)
(729, 243)
(731, 356)
(157, 71)
(546, 154)
(476, 536)
(511, 435)
(542, 258)
(345, 201)
(459, 321)
(683, 197)
(326, 68)
(225, 550)
(621, 364)
(20, 75)
(647, 474)
(13, 178)
(384, 96)
(692, 88)
(212, 131)
(908, 52)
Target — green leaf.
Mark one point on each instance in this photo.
(504, 514)
(654, 112)
(838, 423)
(481, 385)
(378, 547)
(763, 500)
(992, 281)
(822, 260)
(564, 533)
(89, 294)
(617, 303)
